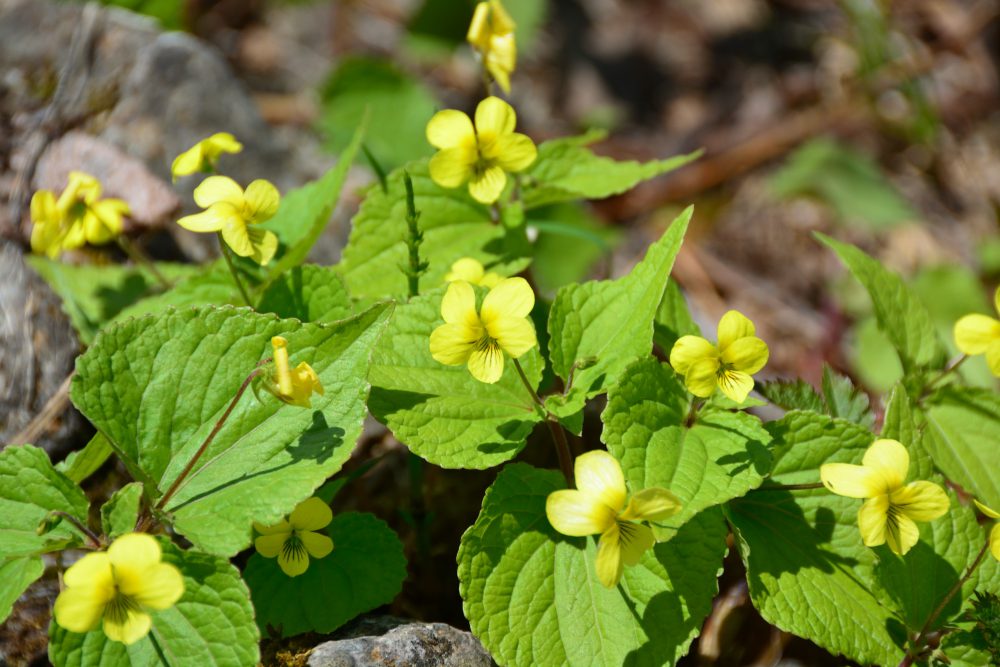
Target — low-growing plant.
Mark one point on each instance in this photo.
(865, 543)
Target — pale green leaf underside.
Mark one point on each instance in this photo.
(30, 488)
(156, 386)
(532, 596)
(724, 455)
(441, 412)
(567, 170)
(454, 225)
(212, 625)
(365, 570)
(611, 320)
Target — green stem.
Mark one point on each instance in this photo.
(141, 259)
(413, 240)
(555, 428)
(204, 446)
(951, 368)
(233, 271)
(95, 541)
(921, 637)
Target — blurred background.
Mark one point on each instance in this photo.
(871, 121)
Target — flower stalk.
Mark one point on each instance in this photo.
(233, 271)
(139, 258)
(555, 428)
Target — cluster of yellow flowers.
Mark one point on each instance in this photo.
(77, 217)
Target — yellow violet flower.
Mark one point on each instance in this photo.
(481, 339)
(292, 385)
(491, 33)
(120, 586)
(891, 508)
(294, 539)
(78, 216)
(980, 334)
(234, 213)
(995, 532)
(597, 507)
(728, 365)
(471, 271)
(204, 155)
(482, 155)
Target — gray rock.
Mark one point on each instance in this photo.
(403, 644)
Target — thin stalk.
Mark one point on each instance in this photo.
(949, 369)
(204, 446)
(918, 641)
(233, 271)
(140, 258)
(79, 525)
(555, 428)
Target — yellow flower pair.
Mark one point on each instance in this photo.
(481, 338)
(204, 155)
(482, 154)
(295, 539)
(891, 508)
(77, 217)
(597, 507)
(120, 587)
(980, 334)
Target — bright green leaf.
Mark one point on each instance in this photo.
(532, 596)
(156, 387)
(30, 488)
(844, 400)
(441, 412)
(611, 320)
(570, 242)
(309, 293)
(120, 513)
(83, 463)
(792, 395)
(212, 285)
(16, 574)
(212, 624)
(365, 570)
(673, 319)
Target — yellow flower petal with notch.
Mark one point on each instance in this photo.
(295, 539)
(980, 334)
(204, 155)
(120, 586)
(480, 339)
(232, 212)
(598, 507)
(728, 366)
(892, 508)
(491, 34)
(480, 154)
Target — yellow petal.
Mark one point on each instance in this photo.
(496, 65)
(452, 344)
(993, 358)
(889, 459)
(735, 384)
(161, 587)
(270, 546)
(901, 533)
(974, 333)
(921, 501)
(995, 541)
(634, 539)
(702, 377)
(282, 527)
(128, 630)
(264, 244)
(733, 326)
(109, 213)
(305, 383)
(690, 349)
(212, 220)
(262, 201)
(451, 129)
(872, 518)
(479, 28)
(134, 551)
(491, 280)
(486, 362)
(515, 335)
(452, 167)
(748, 354)
(215, 189)
(514, 152)
(609, 564)
(222, 142)
(996, 300)
(653, 504)
(459, 304)
(500, 20)
(311, 514)
(512, 297)
(43, 207)
(486, 187)
(467, 269)
(78, 609)
(577, 514)
(991, 513)
(317, 544)
(235, 234)
(852, 481)
(91, 571)
(293, 561)
(188, 162)
(494, 118)
(282, 367)
(598, 474)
